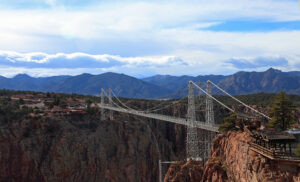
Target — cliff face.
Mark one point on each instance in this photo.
(232, 160)
(242, 164)
(59, 151)
(81, 148)
(181, 172)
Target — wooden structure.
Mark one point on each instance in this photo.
(275, 145)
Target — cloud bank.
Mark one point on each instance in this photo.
(258, 62)
(42, 64)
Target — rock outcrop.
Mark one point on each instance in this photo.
(181, 172)
(243, 165)
(232, 160)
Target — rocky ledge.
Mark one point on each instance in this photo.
(232, 160)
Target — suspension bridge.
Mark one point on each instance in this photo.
(199, 133)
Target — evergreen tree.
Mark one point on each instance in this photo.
(229, 123)
(21, 101)
(281, 112)
(88, 102)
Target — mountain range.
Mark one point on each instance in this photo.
(158, 86)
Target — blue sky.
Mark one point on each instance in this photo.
(144, 38)
(255, 25)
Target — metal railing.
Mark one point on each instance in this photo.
(273, 154)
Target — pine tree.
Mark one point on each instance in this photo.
(229, 123)
(281, 112)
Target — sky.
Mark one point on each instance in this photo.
(144, 38)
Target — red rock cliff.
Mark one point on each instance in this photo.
(232, 160)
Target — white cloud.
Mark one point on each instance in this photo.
(42, 64)
(82, 61)
(154, 37)
(120, 19)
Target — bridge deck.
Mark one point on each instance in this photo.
(196, 124)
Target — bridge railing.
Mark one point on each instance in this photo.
(273, 154)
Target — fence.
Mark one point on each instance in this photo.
(273, 154)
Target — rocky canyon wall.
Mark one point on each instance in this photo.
(57, 150)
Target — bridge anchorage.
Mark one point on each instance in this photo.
(199, 133)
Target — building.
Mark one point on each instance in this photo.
(275, 145)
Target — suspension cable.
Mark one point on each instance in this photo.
(212, 97)
(200, 103)
(125, 104)
(122, 102)
(174, 102)
(148, 110)
(115, 103)
(240, 101)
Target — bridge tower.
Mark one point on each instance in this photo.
(209, 118)
(102, 104)
(209, 114)
(111, 116)
(205, 136)
(192, 143)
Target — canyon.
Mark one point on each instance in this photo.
(51, 150)
(80, 147)
(60, 150)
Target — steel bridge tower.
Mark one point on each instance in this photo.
(102, 104)
(209, 118)
(111, 116)
(192, 142)
(204, 136)
(209, 114)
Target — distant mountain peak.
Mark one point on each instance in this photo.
(23, 75)
(273, 70)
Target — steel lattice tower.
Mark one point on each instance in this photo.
(111, 117)
(209, 118)
(209, 114)
(102, 104)
(192, 144)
